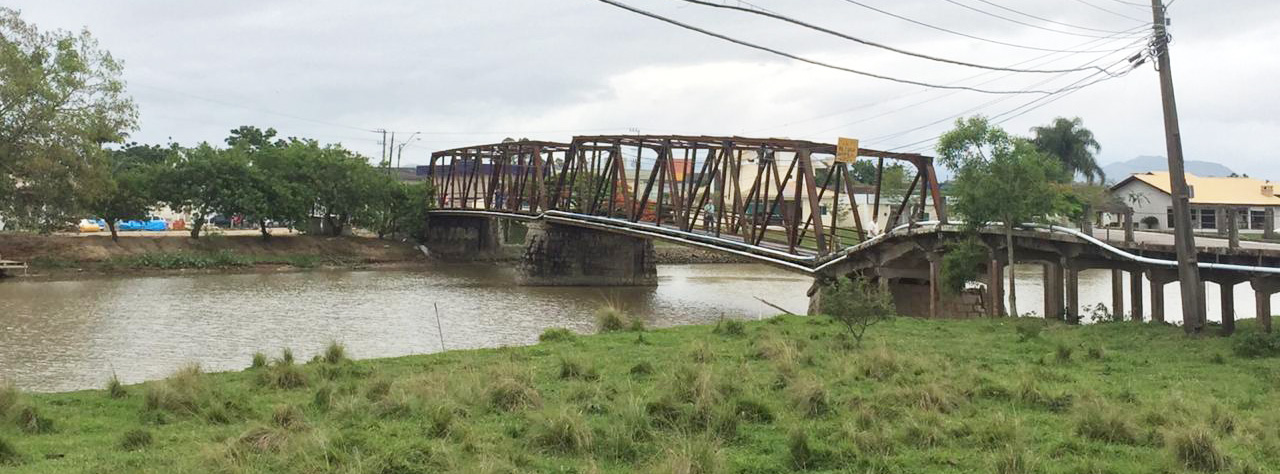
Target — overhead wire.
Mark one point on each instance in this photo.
(811, 61)
(1028, 15)
(1113, 12)
(1020, 22)
(875, 44)
(966, 35)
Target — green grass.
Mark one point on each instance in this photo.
(783, 396)
(186, 259)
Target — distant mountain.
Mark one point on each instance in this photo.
(1142, 164)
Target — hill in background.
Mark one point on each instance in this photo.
(1142, 164)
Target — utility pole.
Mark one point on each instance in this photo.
(382, 158)
(1193, 309)
(392, 149)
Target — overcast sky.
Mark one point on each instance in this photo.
(477, 71)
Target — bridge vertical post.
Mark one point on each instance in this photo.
(1269, 224)
(1157, 297)
(1227, 295)
(1220, 218)
(1233, 228)
(1073, 294)
(935, 287)
(995, 287)
(1129, 237)
(1117, 293)
(1052, 290)
(1262, 291)
(1135, 294)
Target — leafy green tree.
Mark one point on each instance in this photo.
(339, 181)
(1073, 146)
(998, 179)
(857, 304)
(396, 208)
(279, 192)
(61, 98)
(205, 181)
(128, 192)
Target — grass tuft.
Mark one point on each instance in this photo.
(730, 328)
(801, 455)
(135, 439)
(610, 318)
(572, 368)
(1014, 461)
(289, 417)
(752, 410)
(259, 361)
(692, 455)
(562, 432)
(1102, 423)
(335, 353)
(115, 389)
(810, 397)
(511, 391)
(9, 397)
(30, 421)
(286, 357)
(641, 369)
(1062, 353)
(556, 335)
(9, 454)
(1196, 449)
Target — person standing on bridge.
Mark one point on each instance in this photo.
(710, 218)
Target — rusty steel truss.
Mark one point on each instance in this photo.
(780, 194)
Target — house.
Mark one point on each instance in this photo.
(1149, 196)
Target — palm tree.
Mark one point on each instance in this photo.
(1073, 145)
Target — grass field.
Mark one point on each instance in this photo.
(782, 395)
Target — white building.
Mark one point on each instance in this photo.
(1149, 196)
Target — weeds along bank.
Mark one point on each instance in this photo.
(783, 395)
(54, 254)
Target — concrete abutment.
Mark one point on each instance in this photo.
(564, 255)
(463, 238)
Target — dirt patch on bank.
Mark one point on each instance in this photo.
(58, 249)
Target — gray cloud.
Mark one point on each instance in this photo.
(476, 71)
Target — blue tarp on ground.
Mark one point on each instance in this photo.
(155, 225)
(129, 226)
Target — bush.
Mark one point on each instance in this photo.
(335, 353)
(962, 263)
(115, 389)
(135, 439)
(1256, 345)
(556, 335)
(1196, 449)
(730, 327)
(563, 432)
(9, 454)
(857, 304)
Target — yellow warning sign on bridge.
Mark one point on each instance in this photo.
(846, 150)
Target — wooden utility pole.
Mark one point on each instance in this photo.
(1193, 309)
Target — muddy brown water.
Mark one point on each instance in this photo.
(69, 335)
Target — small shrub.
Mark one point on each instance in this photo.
(135, 439)
(115, 389)
(259, 361)
(642, 369)
(610, 318)
(1196, 449)
(30, 421)
(335, 353)
(289, 417)
(730, 327)
(752, 411)
(9, 454)
(556, 335)
(575, 369)
(1062, 353)
(802, 456)
(563, 432)
(857, 304)
(1255, 345)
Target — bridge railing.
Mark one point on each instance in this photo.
(790, 195)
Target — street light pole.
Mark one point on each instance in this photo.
(1193, 309)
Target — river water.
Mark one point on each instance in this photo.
(68, 335)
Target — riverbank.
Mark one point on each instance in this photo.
(61, 256)
(781, 395)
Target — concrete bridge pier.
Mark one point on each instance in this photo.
(1159, 278)
(1053, 286)
(564, 255)
(1263, 288)
(463, 238)
(1135, 294)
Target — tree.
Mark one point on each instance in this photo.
(395, 208)
(339, 181)
(205, 181)
(998, 179)
(279, 188)
(61, 98)
(128, 191)
(857, 304)
(1073, 146)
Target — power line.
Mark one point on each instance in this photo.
(1133, 4)
(966, 35)
(1113, 12)
(1020, 22)
(876, 44)
(806, 60)
(1002, 7)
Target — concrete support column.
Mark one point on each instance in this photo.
(463, 238)
(1219, 218)
(565, 255)
(995, 288)
(1157, 298)
(1269, 227)
(1263, 288)
(1233, 228)
(935, 284)
(1227, 295)
(1128, 226)
(1073, 294)
(1135, 295)
(1053, 283)
(1117, 293)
